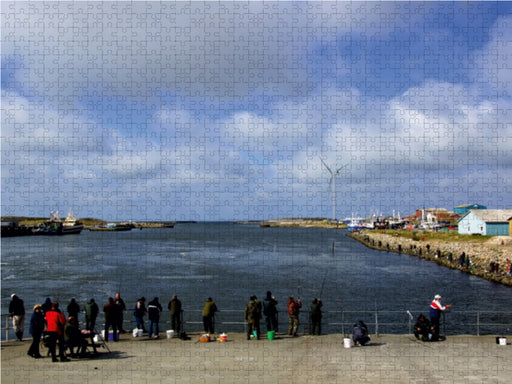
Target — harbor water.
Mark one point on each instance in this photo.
(231, 262)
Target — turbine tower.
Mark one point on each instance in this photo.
(332, 184)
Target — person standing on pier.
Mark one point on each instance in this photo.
(209, 310)
(122, 307)
(154, 309)
(252, 315)
(316, 317)
(91, 312)
(139, 312)
(17, 312)
(111, 318)
(435, 313)
(55, 322)
(270, 311)
(36, 330)
(174, 307)
(293, 313)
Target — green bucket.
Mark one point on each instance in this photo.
(271, 335)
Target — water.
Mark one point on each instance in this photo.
(232, 262)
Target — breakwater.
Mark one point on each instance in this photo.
(473, 258)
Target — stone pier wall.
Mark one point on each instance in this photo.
(477, 260)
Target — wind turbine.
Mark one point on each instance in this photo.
(332, 184)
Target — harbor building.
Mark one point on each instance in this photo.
(486, 222)
(463, 209)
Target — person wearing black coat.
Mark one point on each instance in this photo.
(360, 333)
(17, 311)
(73, 309)
(316, 317)
(154, 309)
(36, 330)
(270, 312)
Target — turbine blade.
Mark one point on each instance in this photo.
(326, 166)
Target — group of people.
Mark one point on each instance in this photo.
(254, 311)
(66, 332)
(429, 330)
(59, 330)
(153, 310)
(47, 318)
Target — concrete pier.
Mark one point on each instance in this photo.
(306, 359)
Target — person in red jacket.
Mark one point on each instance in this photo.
(293, 313)
(55, 322)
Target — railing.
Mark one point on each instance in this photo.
(393, 322)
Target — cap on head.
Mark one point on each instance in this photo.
(437, 297)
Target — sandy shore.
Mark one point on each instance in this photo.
(306, 359)
(497, 249)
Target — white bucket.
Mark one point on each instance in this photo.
(137, 332)
(170, 333)
(347, 342)
(503, 341)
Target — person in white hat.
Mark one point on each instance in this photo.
(17, 312)
(435, 313)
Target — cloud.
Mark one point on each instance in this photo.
(492, 66)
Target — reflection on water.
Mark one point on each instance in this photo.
(232, 262)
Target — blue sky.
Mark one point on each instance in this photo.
(221, 111)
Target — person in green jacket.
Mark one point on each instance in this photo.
(209, 310)
(91, 312)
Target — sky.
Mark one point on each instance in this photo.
(225, 110)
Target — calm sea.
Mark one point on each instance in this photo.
(232, 262)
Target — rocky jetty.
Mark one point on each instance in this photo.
(479, 256)
(303, 223)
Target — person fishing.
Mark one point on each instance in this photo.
(436, 308)
(209, 310)
(270, 312)
(316, 317)
(293, 313)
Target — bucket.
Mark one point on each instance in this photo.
(204, 338)
(347, 342)
(271, 335)
(137, 332)
(223, 338)
(170, 333)
(503, 341)
(110, 335)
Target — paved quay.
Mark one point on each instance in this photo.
(305, 359)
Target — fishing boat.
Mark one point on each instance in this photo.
(71, 225)
(355, 224)
(55, 226)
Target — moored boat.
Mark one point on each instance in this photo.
(12, 229)
(55, 226)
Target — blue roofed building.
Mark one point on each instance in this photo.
(463, 209)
